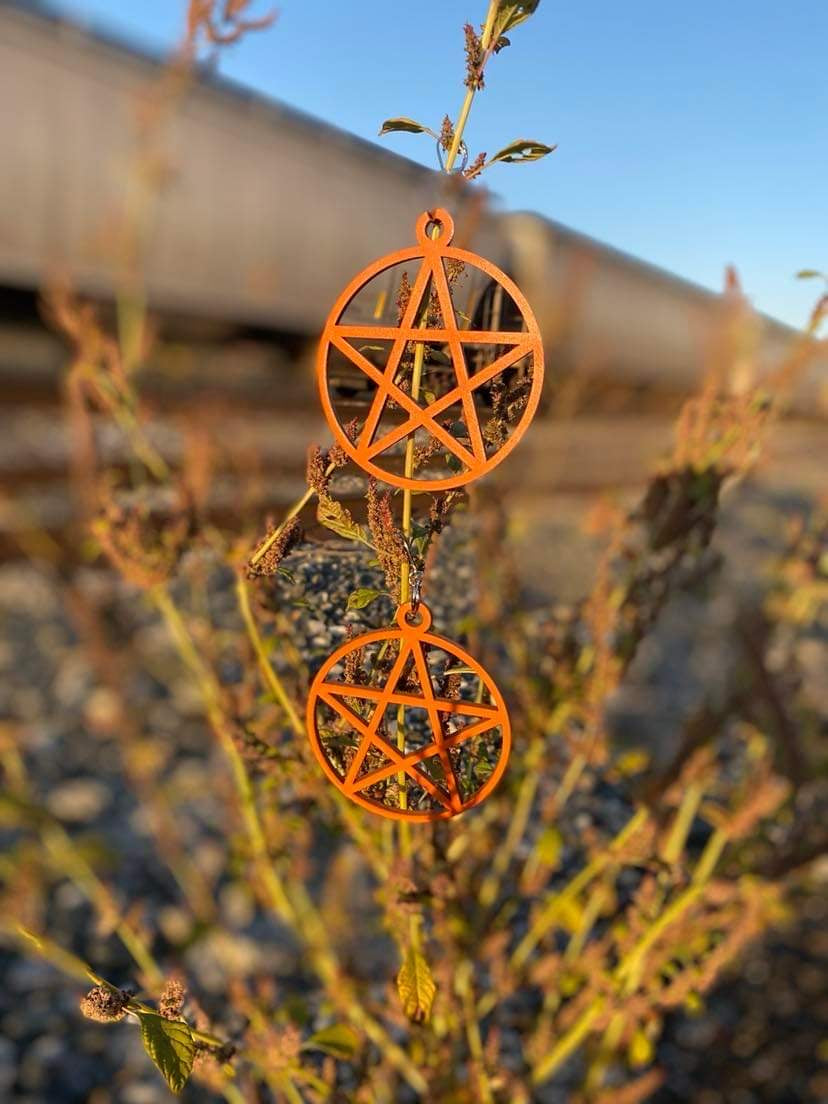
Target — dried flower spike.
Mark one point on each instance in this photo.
(474, 58)
(277, 549)
(172, 999)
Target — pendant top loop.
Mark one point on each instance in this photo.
(414, 619)
(429, 219)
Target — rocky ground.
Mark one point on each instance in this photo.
(755, 1041)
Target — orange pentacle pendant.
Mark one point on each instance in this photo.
(407, 724)
(457, 378)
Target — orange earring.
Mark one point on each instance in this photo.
(425, 741)
(402, 721)
(509, 354)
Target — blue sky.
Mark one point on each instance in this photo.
(693, 135)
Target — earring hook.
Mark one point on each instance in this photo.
(416, 573)
(462, 151)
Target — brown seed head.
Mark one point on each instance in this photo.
(104, 1005)
(474, 58)
(446, 133)
(172, 999)
(403, 296)
(476, 167)
(287, 539)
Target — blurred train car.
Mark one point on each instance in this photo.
(265, 213)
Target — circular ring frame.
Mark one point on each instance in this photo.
(412, 636)
(431, 251)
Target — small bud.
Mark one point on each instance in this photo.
(105, 1005)
(476, 167)
(172, 999)
(446, 134)
(317, 477)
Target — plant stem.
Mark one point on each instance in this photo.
(465, 989)
(468, 100)
(274, 683)
(627, 973)
(348, 812)
(671, 852)
(75, 967)
(295, 908)
(419, 351)
(517, 824)
(292, 1094)
(70, 861)
(295, 509)
(416, 381)
(547, 914)
(592, 909)
(570, 780)
(569, 1042)
(61, 846)
(674, 845)
(606, 1048)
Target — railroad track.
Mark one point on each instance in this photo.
(253, 399)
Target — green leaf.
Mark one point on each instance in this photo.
(640, 1051)
(334, 516)
(807, 274)
(512, 15)
(416, 987)
(632, 762)
(339, 1040)
(522, 149)
(549, 846)
(170, 1045)
(362, 597)
(410, 126)
(419, 544)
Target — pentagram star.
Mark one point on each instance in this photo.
(431, 275)
(335, 693)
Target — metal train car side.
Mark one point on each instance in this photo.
(265, 214)
(615, 317)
